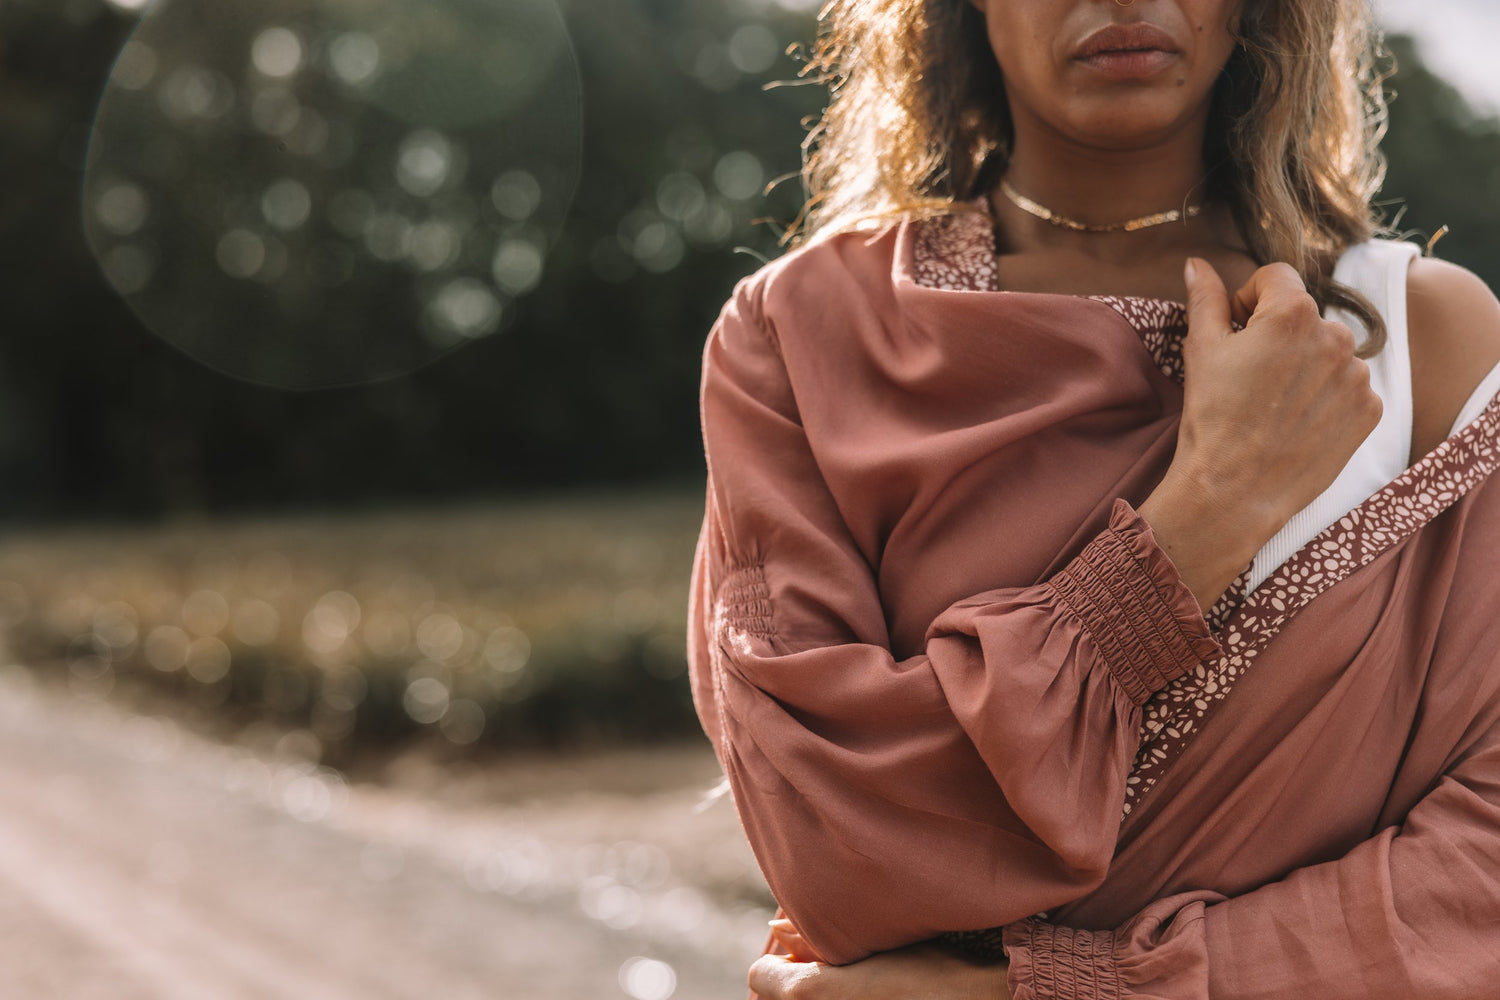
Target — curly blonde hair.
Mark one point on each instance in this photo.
(918, 125)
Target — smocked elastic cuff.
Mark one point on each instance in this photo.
(1135, 607)
(1058, 963)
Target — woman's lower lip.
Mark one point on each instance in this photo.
(1130, 65)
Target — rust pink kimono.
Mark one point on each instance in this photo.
(955, 683)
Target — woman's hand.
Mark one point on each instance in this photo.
(1270, 415)
(920, 972)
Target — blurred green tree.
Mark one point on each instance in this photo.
(1444, 166)
(595, 382)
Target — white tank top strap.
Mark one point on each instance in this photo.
(1377, 270)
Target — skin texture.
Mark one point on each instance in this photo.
(1271, 413)
(1455, 339)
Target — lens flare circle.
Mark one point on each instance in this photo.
(316, 193)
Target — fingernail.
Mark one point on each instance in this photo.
(1190, 269)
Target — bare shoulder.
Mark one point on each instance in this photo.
(1454, 324)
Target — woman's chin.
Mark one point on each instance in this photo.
(1122, 129)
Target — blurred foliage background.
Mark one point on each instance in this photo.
(170, 528)
(595, 381)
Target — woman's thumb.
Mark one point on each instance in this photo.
(1207, 298)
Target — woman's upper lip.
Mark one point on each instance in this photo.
(1138, 37)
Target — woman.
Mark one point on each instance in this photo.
(1162, 640)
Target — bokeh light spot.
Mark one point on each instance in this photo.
(680, 196)
(739, 176)
(657, 247)
(465, 308)
(241, 253)
(517, 266)
(286, 204)
(277, 52)
(711, 227)
(753, 48)
(432, 245)
(507, 649)
(424, 163)
(426, 700)
(440, 636)
(330, 621)
(516, 195)
(122, 208)
(648, 979)
(311, 797)
(355, 57)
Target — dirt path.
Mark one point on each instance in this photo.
(140, 861)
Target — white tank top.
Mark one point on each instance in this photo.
(1378, 270)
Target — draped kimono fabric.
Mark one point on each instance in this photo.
(956, 685)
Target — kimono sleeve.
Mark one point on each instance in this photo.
(889, 800)
(1413, 912)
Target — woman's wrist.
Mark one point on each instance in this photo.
(1209, 534)
(974, 978)
(998, 986)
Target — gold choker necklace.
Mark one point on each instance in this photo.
(1025, 204)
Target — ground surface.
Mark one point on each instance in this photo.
(141, 862)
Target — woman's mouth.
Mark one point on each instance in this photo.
(1128, 51)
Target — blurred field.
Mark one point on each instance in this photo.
(140, 861)
(530, 811)
(552, 623)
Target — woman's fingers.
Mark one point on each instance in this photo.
(791, 940)
(1207, 299)
(1210, 307)
(1274, 283)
